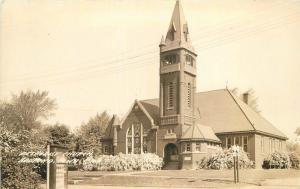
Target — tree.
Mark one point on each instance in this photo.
(20, 122)
(59, 134)
(90, 133)
(26, 110)
(252, 99)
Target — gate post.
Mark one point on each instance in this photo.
(57, 169)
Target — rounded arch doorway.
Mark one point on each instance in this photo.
(170, 153)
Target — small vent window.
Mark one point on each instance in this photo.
(170, 59)
(189, 60)
(189, 99)
(170, 95)
(172, 35)
(185, 31)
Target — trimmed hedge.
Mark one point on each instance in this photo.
(223, 159)
(123, 162)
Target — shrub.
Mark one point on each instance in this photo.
(223, 159)
(294, 160)
(16, 175)
(278, 160)
(123, 162)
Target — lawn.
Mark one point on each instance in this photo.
(181, 178)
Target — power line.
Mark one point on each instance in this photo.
(276, 4)
(210, 44)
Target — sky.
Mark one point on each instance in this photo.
(94, 55)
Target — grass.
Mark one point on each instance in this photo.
(182, 178)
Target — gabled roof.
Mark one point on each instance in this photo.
(109, 131)
(141, 106)
(198, 131)
(224, 113)
(227, 113)
(152, 107)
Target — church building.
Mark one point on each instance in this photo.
(184, 125)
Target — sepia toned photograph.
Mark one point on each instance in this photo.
(111, 94)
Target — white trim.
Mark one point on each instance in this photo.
(143, 110)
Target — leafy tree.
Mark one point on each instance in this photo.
(20, 122)
(90, 134)
(59, 134)
(26, 110)
(252, 99)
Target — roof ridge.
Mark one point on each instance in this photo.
(198, 92)
(148, 99)
(222, 89)
(263, 118)
(200, 131)
(241, 109)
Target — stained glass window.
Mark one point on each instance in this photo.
(136, 141)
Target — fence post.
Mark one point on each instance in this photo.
(234, 168)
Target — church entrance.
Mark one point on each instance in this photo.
(171, 158)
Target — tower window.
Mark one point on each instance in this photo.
(170, 59)
(189, 60)
(170, 95)
(188, 147)
(189, 99)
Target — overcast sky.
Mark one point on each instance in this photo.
(101, 55)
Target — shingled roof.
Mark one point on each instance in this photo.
(224, 113)
(198, 131)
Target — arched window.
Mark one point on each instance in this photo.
(170, 59)
(136, 139)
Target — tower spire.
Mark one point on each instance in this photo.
(178, 33)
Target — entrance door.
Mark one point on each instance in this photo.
(171, 153)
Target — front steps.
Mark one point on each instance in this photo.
(171, 165)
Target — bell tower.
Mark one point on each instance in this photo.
(177, 74)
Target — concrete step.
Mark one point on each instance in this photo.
(74, 181)
(172, 165)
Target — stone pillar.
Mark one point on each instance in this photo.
(57, 170)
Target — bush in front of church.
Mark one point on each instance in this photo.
(123, 162)
(294, 160)
(223, 159)
(277, 160)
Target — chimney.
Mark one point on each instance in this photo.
(246, 97)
